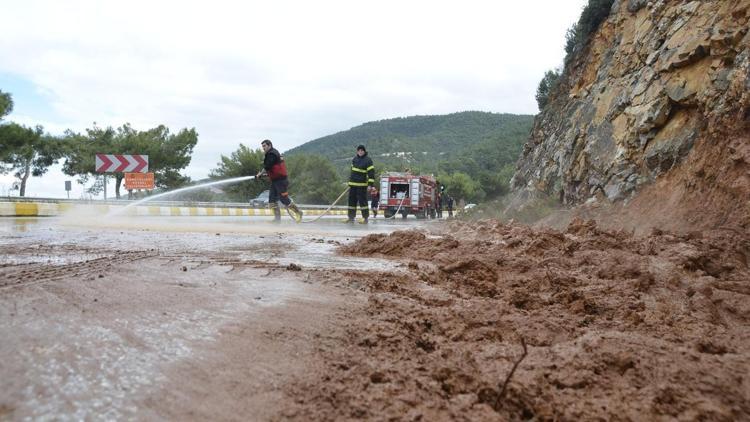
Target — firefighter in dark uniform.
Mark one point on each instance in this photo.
(275, 168)
(361, 180)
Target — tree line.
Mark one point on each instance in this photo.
(30, 151)
(471, 153)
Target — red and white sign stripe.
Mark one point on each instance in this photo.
(121, 163)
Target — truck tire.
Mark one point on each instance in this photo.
(404, 213)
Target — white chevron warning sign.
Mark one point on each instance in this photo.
(121, 163)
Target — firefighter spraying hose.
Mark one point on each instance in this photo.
(275, 168)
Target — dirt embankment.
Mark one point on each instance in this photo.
(600, 324)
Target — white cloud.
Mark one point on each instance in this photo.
(290, 71)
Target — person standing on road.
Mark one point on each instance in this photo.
(450, 206)
(375, 201)
(275, 168)
(439, 205)
(361, 180)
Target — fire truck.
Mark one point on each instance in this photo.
(405, 193)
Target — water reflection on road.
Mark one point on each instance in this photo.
(46, 240)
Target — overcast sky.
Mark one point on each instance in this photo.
(290, 71)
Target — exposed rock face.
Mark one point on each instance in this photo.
(656, 79)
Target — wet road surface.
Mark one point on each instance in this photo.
(178, 318)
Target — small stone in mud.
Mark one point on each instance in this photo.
(378, 378)
(413, 266)
(184, 268)
(218, 234)
(101, 275)
(258, 298)
(293, 267)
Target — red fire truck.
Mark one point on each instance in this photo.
(405, 193)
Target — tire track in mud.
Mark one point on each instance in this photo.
(45, 266)
(33, 273)
(203, 261)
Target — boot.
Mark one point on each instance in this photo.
(276, 211)
(295, 212)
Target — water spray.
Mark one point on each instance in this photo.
(185, 189)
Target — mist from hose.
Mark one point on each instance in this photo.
(185, 189)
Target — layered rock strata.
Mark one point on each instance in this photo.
(656, 79)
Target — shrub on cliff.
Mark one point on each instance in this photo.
(546, 86)
(6, 104)
(594, 13)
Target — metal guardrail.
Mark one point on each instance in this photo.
(124, 202)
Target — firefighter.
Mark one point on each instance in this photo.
(275, 168)
(361, 180)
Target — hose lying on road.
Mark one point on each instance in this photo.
(327, 209)
(399, 207)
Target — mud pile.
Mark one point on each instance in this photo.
(600, 324)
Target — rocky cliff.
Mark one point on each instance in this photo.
(654, 111)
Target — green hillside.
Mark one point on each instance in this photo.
(484, 146)
(422, 142)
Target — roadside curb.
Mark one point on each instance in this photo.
(48, 209)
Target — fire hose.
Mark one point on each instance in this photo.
(399, 208)
(327, 209)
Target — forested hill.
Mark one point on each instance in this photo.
(422, 142)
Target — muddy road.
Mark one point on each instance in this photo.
(183, 319)
(231, 319)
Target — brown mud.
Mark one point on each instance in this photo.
(598, 325)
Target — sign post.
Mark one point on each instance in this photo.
(68, 187)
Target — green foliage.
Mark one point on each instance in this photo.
(482, 146)
(242, 162)
(313, 179)
(462, 186)
(593, 14)
(6, 104)
(27, 152)
(419, 143)
(167, 153)
(546, 86)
